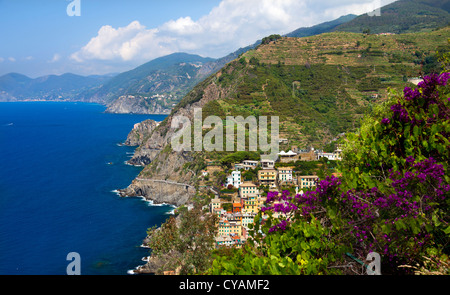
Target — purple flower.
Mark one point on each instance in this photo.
(442, 80)
(411, 94)
(400, 112)
(410, 159)
(279, 227)
(385, 121)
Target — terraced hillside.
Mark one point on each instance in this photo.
(320, 86)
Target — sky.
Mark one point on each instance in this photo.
(96, 37)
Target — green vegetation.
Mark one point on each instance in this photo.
(320, 86)
(186, 245)
(392, 198)
(271, 38)
(238, 157)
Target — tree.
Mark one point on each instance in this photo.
(184, 243)
(271, 38)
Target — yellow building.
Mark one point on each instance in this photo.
(251, 204)
(226, 227)
(215, 204)
(307, 181)
(248, 188)
(267, 177)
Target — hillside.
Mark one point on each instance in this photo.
(403, 16)
(156, 87)
(321, 28)
(319, 87)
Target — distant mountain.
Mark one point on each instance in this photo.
(152, 77)
(321, 28)
(17, 87)
(403, 16)
(153, 87)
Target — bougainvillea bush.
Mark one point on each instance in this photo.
(392, 197)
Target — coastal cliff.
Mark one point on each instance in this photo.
(137, 104)
(168, 176)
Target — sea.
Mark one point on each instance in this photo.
(61, 164)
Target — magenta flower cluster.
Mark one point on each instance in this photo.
(398, 217)
(363, 208)
(422, 97)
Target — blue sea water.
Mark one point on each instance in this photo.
(59, 166)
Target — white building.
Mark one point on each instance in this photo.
(251, 163)
(285, 175)
(234, 179)
(331, 156)
(267, 164)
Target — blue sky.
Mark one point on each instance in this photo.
(38, 37)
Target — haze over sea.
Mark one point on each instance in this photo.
(60, 164)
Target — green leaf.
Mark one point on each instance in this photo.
(406, 131)
(447, 230)
(416, 131)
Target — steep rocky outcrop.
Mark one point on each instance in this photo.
(140, 132)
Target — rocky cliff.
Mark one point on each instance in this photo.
(168, 176)
(137, 104)
(140, 132)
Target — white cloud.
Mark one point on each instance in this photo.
(11, 59)
(1, 59)
(56, 57)
(124, 43)
(228, 26)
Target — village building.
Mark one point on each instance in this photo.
(248, 188)
(267, 177)
(234, 179)
(286, 157)
(307, 181)
(285, 175)
(251, 163)
(267, 164)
